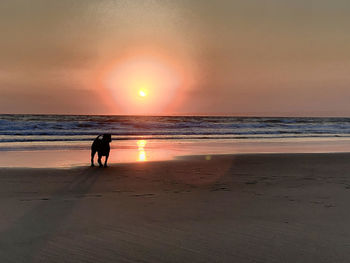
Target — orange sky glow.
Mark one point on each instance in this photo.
(146, 83)
(224, 57)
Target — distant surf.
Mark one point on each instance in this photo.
(79, 128)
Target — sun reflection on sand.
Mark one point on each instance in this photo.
(141, 148)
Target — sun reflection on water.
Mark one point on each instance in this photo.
(141, 148)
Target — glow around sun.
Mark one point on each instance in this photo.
(143, 84)
(142, 93)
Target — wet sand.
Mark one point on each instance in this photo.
(224, 208)
(71, 154)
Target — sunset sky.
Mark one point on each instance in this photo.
(234, 57)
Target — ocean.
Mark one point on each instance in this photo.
(137, 138)
(41, 128)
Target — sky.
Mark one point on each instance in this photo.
(234, 57)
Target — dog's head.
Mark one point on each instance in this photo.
(107, 137)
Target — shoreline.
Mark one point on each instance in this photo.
(155, 150)
(185, 158)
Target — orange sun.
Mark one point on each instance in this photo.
(145, 83)
(142, 93)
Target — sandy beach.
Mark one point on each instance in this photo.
(222, 208)
(222, 129)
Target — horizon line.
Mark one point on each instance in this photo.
(183, 115)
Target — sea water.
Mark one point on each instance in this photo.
(163, 137)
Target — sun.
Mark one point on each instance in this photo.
(142, 93)
(145, 83)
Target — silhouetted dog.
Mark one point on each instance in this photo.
(101, 146)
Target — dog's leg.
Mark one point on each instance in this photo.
(106, 159)
(92, 157)
(99, 159)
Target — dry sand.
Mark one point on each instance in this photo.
(233, 208)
